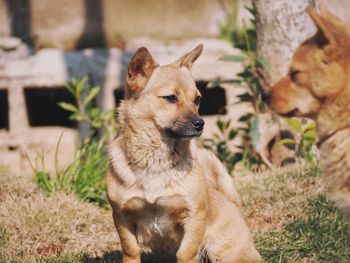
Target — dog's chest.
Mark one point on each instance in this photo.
(154, 184)
(156, 202)
(159, 231)
(158, 223)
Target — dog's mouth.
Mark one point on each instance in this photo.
(297, 113)
(290, 114)
(181, 133)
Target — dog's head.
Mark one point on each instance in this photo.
(165, 95)
(317, 71)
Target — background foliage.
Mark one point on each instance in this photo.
(85, 175)
(251, 79)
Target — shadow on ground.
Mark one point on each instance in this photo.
(116, 257)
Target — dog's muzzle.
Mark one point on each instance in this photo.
(192, 128)
(197, 124)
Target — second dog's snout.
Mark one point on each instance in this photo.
(197, 123)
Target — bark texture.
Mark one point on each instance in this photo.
(282, 25)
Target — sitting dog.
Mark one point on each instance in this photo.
(318, 86)
(167, 194)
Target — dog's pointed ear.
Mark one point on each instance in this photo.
(324, 34)
(332, 31)
(139, 71)
(326, 14)
(188, 59)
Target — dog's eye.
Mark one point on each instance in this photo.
(293, 74)
(198, 100)
(170, 98)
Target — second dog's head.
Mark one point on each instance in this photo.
(166, 95)
(318, 70)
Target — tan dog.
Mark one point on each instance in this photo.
(318, 86)
(166, 193)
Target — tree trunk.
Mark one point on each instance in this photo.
(282, 25)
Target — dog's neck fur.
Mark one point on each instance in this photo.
(334, 114)
(148, 147)
(333, 126)
(335, 159)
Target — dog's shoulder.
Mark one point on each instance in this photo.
(215, 173)
(119, 166)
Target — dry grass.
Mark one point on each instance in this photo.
(35, 226)
(272, 199)
(292, 219)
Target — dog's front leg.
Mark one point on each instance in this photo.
(194, 229)
(127, 234)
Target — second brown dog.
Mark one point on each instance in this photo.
(318, 86)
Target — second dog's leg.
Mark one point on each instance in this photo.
(192, 240)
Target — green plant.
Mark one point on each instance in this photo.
(85, 175)
(88, 172)
(219, 144)
(244, 37)
(44, 180)
(249, 78)
(85, 108)
(304, 140)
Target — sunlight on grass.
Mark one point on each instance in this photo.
(292, 221)
(323, 236)
(292, 218)
(36, 227)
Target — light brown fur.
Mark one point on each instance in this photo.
(318, 86)
(166, 193)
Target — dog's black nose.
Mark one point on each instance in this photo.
(197, 123)
(265, 96)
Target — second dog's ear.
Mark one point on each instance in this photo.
(140, 69)
(323, 26)
(188, 59)
(326, 14)
(330, 27)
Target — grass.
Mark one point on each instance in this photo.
(271, 199)
(322, 236)
(292, 218)
(57, 228)
(84, 177)
(292, 221)
(35, 227)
